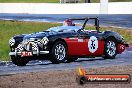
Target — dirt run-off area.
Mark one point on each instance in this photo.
(62, 79)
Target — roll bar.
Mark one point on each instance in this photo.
(86, 20)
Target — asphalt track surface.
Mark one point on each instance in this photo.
(7, 68)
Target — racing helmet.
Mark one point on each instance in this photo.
(68, 22)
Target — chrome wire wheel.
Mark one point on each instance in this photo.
(60, 52)
(111, 48)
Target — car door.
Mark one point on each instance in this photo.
(85, 44)
(72, 45)
(90, 44)
(77, 44)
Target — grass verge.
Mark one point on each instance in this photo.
(10, 28)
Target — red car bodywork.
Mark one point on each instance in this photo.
(79, 47)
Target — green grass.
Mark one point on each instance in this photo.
(10, 28)
(55, 1)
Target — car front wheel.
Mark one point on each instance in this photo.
(110, 48)
(19, 61)
(59, 52)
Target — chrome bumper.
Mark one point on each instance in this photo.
(34, 53)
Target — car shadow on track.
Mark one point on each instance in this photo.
(89, 60)
(79, 60)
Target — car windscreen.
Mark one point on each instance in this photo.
(65, 28)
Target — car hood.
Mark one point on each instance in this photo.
(39, 35)
(52, 31)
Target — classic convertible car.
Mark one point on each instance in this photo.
(66, 43)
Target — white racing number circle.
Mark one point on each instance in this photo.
(93, 44)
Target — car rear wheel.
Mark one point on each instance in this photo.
(59, 52)
(110, 50)
(19, 61)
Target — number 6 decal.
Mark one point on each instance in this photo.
(93, 44)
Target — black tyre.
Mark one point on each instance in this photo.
(71, 59)
(58, 53)
(19, 61)
(110, 50)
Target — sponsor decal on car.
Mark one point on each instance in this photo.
(80, 40)
(25, 53)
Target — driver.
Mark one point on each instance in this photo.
(68, 22)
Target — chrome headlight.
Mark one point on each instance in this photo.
(45, 40)
(12, 41)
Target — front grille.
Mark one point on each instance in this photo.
(28, 46)
(31, 46)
